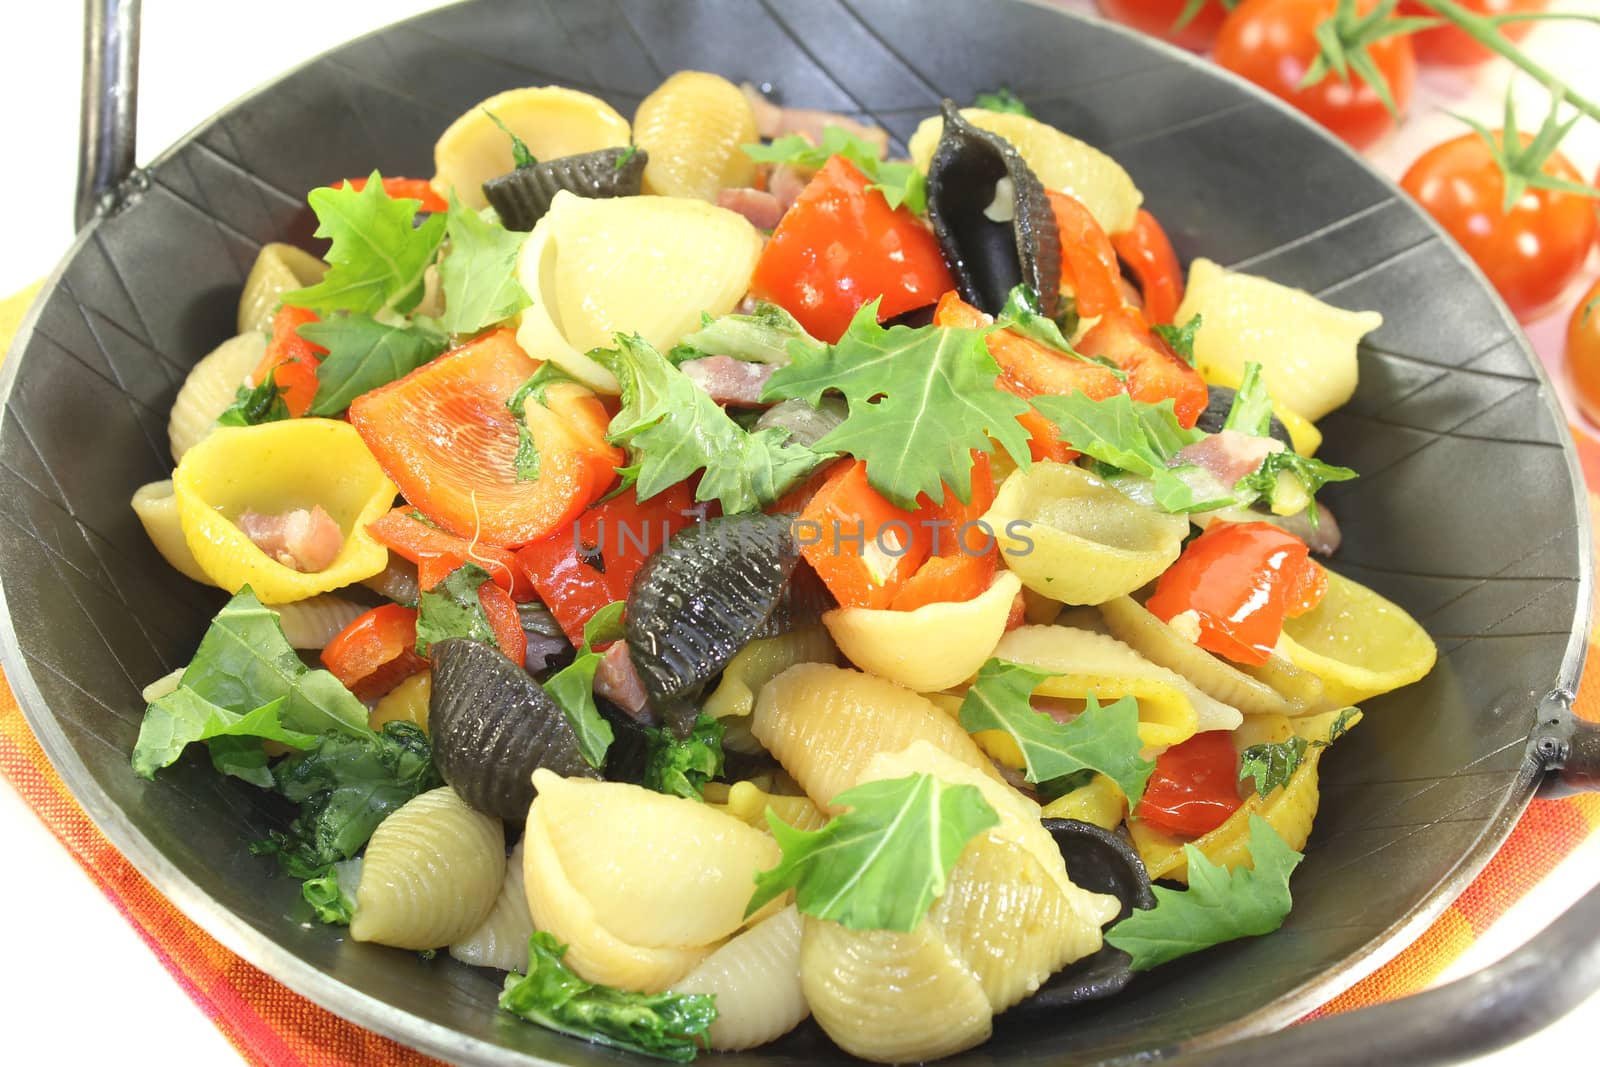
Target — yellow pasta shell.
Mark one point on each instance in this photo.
(1099, 803)
(693, 126)
(932, 648)
(1358, 643)
(552, 121)
(1301, 689)
(279, 268)
(1073, 538)
(749, 803)
(1061, 162)
(1303, 434)
(756, 980)
(501, 940)
(759, 662)
(272, 468)
(209, 389)
(406, 702)
(157, 509)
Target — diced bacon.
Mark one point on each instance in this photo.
(1229, 455)
(757, 205)
(305, 540)
(786, 182)
(773, 121)
(1324, 540)
(616, 679)
(729, 380)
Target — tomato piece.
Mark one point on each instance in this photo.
(1450, 46)
(291, 360)
(862, 547)
(501, 611)
(842, 245)
(1195, 786)
(1306, 589)
(376, 652)
(1273, 43)
(444, 435)
(404, 189)
(1530, 253)
(1148, 253)
(1155, 372)
(1583, 352)
(437, 552)
(580, 570)
(1088, 262)
(1237, 580)
(1159, 18)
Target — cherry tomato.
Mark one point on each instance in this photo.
(1148, 253)
(1583, 352)
(1449, 46)
(1157, 17)
(1273, 43)
(1529, 254)
(1195, 786)
(376, 652)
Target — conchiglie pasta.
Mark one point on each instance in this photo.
(932, 648)
(279, 268)
(1099, 803)
(756, 980)
(1307, 349)
(1072, 538)
(157, 509)
(648, 265)
(209, 389)
(313, 622)
(759, 662)
(501, 940)
(406, 702)
(659, 871)
(693, 126)
(749, 803)
(430, 874)
(1358, 643)
(552, 121)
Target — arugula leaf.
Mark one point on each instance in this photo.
(479, 276)
(174, 721)
(254, 404)
(572, 687)
(1002, 99)
(332, 893)
(921, 401)
(682, 766)
(1312, 474)
(882, 864)
(1251, 412)
(377, 257)
(1132, 436)
(452, 609)
(364, 354)
(672, 428)
(901, 184)
(526, 462)
(761, 337)
(1219, 905)
(669, 1026)
(345, 787)
(1103, 739)
(1180, 338)
(1021, 314)
(521, 156)
(1273, 763)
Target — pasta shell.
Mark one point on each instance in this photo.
(1060, 162)
(1100, 803)
(157, 509)
(272, 468)
(279, 268)
(749, 803)
(430, 875)
(501, 940)
(1358, 643)
(756, 980)
(313, 622)
(648, 265)
(1073, 538)
(1307, 349)
(209, 389)
(659, 871)
(594, 952)
(1301, 689)
(552, 121)
(693, 127)
(825, 723)
(761, 661)
(406, 702)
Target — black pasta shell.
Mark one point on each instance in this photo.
(492, 726)
(700, 600)
(523, 196)
(1219, 401)
(990, 258)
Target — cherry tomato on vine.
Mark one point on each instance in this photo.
(1158, 17)
(1450, 46)
(1274, 43)
(1583, 352)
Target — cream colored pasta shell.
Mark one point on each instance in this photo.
(279, 268)
(406, 702)
(501, 940)
(157, 509)
(1073, 538)
(313, 622)
(210, 388)
(1306, 348)
(736, 736)
(659, 871)
(756, 980)
(758, 663)
(162, 686)
(1061, 162)
(430, 875)
(749, 803)
(891, 997)
(396, 582)
(825, 723)
(932, 648)
(1359, 643)
(595, 953)
(552, 121)
(693, 126)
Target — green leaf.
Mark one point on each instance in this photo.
(479, 276)
(1103, 739)
(672, 429)
(173, 722)
(669, 1026)
(921, 401)
(882, 864)
(364, 354)
(1251, 411)
(1180, 338)
(452, 609)
(1002, 99)
(572, 687)
(763, 336)
(526, 462)
(332, 894)
(901, 184)
(378, 256)
(1219, 905)
(1021, 314)
(1273, 763)
(1311, 473)
(254, 404)
(521, 156)
(681, 766)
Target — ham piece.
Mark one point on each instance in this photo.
(301, 539)
(729, 380)
(616, 679)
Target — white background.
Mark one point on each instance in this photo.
(78, 983)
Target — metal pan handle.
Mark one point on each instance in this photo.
(1566, 746)
(108, 124)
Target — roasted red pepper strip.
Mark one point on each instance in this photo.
(1088, 262)
(1155, 372)
(291, 360)
(1147, 252)
(376, 652)
(501, 611)
(1195, 786)
(404, 189)
(862, 547)
(437, 552)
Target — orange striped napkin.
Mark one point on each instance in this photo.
(270, 1025)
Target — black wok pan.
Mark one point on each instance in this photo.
(1469, 510)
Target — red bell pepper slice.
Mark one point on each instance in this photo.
(291, 360)
(376, 652)
(1148, 253)
(1155, 372)
(403, 189)
(862, 547)
(501, 611)
(1195, 786)
(437, 552)
(1088, 262)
